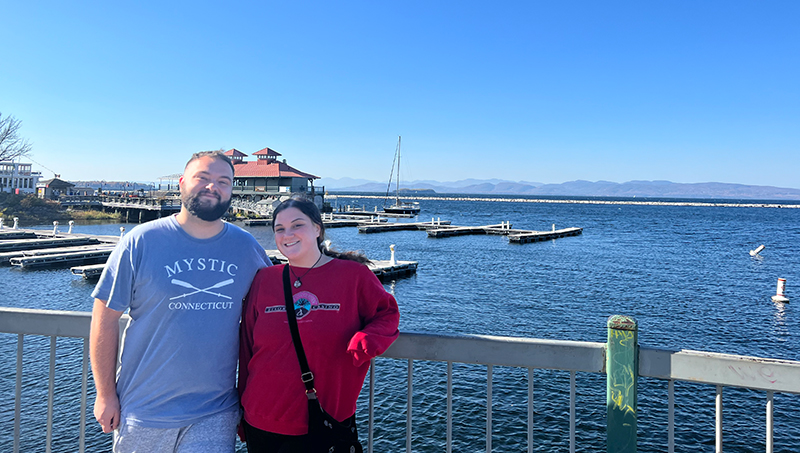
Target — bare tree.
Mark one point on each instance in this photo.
(11, 144)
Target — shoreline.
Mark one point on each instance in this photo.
(587, 201)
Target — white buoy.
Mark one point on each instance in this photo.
(121, 231)
(554, 227)
(780, 296)
(1, 223)
(392, 262)
(757, 250)
(55, 227)
(71, 224)
(16, 222)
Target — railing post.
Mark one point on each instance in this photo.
(622, 372)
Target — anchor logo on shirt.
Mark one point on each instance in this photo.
(196, 290)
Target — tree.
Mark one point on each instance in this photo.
(11, 144)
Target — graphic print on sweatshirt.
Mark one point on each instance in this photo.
(304, 303)
(216, 276)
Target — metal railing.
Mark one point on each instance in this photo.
(720, 370)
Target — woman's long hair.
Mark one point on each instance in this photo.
(308, 208)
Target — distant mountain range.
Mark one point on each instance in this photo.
(651, 189)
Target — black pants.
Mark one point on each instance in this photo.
(260, 441)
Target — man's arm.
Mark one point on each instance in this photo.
(103, 348)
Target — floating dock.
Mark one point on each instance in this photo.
(362, 213)
(536, 236)
(443, 229)
(338, 223)
(402, 226)
(42, 248)
(464, 230)
(62, 259)
(6, 257)
(89, 271)
(257, 222)
(7, 235)
(383, 269)
(33, 244)
(333, 221)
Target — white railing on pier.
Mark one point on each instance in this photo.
(720, 370)
(263, 208)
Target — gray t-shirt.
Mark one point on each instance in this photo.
(184, 297)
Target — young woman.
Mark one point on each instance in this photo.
(345, 318)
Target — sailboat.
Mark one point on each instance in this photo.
(399, 207)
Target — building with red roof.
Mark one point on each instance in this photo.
(268, 177)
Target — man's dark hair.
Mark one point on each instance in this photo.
(218, 155)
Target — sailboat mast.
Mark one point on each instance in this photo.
(397, 191)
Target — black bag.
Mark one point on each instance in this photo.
(325, 433)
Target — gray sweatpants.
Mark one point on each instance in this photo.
(215, 434)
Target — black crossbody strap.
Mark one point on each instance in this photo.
(307, 376)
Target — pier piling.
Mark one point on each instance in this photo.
(622, 372)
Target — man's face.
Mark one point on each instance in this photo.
(206, 187)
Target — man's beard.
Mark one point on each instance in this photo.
(197, 206)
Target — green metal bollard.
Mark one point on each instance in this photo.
(622, 372)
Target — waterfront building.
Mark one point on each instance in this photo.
(53, 188)
(18, 178)
(268, 177)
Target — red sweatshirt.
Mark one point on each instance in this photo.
(348, 318)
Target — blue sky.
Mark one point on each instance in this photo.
(525, 91)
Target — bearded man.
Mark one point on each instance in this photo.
(182, 280)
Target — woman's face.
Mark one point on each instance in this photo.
(296, 236)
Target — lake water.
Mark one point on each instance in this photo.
(683, 272)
